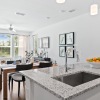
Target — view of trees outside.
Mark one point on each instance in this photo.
(4, 51)
(5, 45)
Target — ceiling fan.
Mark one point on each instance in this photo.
(11, 28)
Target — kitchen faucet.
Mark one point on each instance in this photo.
(66, 69)
(77, 56)
(67, 52)
(66, 55)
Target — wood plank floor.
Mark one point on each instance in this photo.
(13, 93)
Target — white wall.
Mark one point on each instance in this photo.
(87, 37)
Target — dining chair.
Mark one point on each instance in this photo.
(45, 64)
(47, 59)
(10, 62)
(19, 77)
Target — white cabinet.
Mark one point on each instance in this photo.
(92, 94)
(29, 89)
(42, 94)
(36, 92)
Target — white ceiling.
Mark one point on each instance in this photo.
(37, 12)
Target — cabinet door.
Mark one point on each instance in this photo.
(42, 94)
(92, 94)
(29, 89)
(36, 92)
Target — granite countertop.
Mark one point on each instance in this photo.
(44, 78)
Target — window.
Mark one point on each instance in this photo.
(13, 45)
(5, 45)
(20, 45)
(35, 47)
(16, 45)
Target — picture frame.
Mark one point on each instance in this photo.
(62, 39)
(45, 42)
(70, 38)
(62, 51)
(70, 51)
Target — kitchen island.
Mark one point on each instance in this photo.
(42, 85)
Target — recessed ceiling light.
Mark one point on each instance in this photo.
(48, 17)
(60, 1)
(21, 14)
(72, 10)
(63, 11)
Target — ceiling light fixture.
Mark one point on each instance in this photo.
(72, 10)
(11, 28)
(21, 14)
(60, 1)
(94, 9)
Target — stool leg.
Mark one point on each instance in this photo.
(12, 83)
(23, 83)
(9, 81)
(18, 88)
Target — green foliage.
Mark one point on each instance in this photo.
(4, 51)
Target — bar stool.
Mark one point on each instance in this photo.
(19, 77)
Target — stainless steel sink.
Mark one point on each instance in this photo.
(77, 78)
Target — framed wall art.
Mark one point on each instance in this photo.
(70, 38)
(70, 51)
(62, 51)
(45, 42)
(62, 39)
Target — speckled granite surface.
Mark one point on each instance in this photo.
(43, 77)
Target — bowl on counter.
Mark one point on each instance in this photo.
(95, 64)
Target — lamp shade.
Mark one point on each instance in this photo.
(94, 9)
(60, 1)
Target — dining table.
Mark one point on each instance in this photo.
(5, 69)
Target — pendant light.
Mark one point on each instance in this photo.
(94, 9)
(60, 1)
